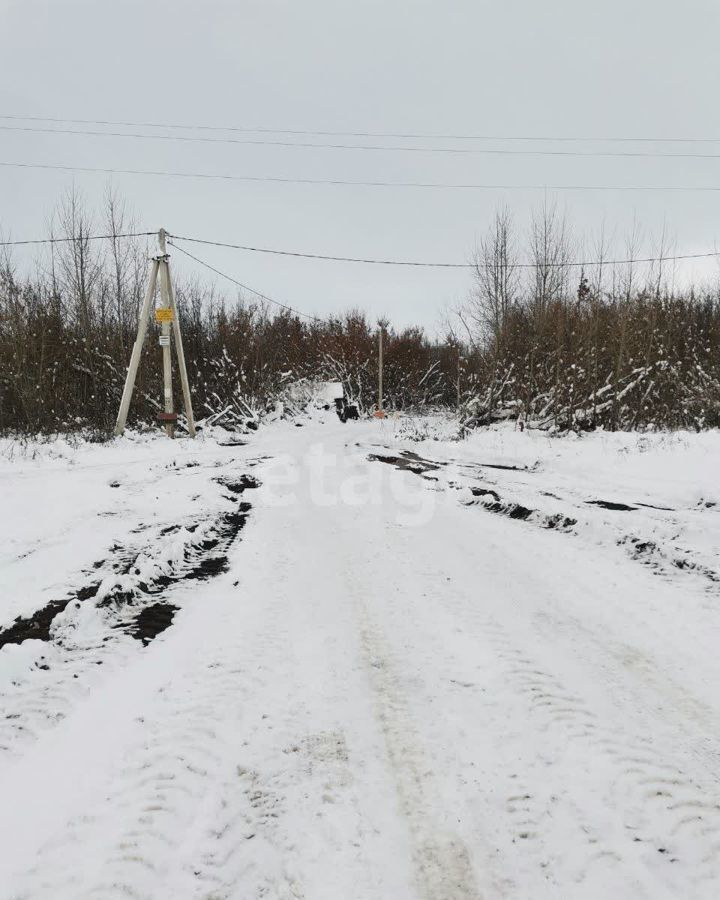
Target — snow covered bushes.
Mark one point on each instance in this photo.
(543, 343)
(65, 345)
(637, 362)
(617, 345)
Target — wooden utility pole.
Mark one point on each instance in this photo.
(459, 369)
(137, 349)
(179, 352)
(380, 372)
(165, 339)
(166, 316)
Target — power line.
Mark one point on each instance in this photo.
(350, 259)
(446, 265)
(304, 145)
(368, 134)
(353, 259)
(246, 287)
(84, 237)
(276, 179)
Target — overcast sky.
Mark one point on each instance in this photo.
(620, 68)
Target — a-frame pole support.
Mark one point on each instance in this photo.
(137, 349)
(169, 301)
(166, 315)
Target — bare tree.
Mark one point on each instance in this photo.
(550, 253)
(658, 282)
(78, 263)
(127, 265)
(497, 281)
(632, 245)
(629, 273)
(601, 248)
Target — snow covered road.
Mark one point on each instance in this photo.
(395, 671)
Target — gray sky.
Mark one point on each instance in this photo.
(624, 68)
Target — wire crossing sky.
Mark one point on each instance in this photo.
(570, 264)
(370, 134)
(375, 148)
(430, 117)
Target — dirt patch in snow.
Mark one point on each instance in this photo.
(35, 627)
(413, 462)
(152, 621)
(127, 579)
(202, 559)
(407, 461)
(502, 467)
(238, 485)
(485, 492)
(612, 505)
(662, 562)
(490, 500)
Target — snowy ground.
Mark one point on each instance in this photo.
(358, 662)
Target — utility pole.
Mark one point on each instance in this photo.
(137, 348)
(179, 350)
(167, 317)
(459, 370)
(170, 417)
(380, 371)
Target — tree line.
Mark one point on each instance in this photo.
(614, 345)
(539, 339)
(66, 333)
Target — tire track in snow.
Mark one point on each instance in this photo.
(684, 810)
(665, 557)
(240, 846)
(442, 863)
(130, 583)
(206, 806)
(185, 815)
(641, 783)
(41, 696)
(126, 845)
(668, 816)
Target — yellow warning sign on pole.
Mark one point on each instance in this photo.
(164, 314)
